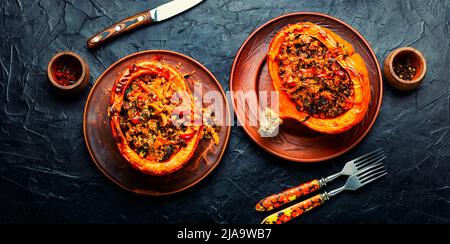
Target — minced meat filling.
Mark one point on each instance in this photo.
(145, 119)
(313, 78)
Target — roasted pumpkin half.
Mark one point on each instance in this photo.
(321, 81)
(144, 100)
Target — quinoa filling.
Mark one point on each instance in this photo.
(313, 78)
(145, 119)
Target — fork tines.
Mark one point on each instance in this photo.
(375, 170)
(368, 159)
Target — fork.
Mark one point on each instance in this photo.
(354, 182)
(292, 194)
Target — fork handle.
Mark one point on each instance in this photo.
(287, 214)
(289, 195)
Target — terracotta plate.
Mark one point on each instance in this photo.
(295, 142)
(99, 140)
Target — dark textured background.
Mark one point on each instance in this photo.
(46, 174)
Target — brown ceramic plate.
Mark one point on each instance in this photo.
(295, 142)
(106, 156)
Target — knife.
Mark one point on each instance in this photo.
(157, 14)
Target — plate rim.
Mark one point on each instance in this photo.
(148, 192)
(321, 159)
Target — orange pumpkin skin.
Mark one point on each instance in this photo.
(350, 61)
(145, 165)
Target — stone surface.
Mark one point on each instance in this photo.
(46, 174)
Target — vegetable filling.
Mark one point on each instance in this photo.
(313, 78)
(145, 118)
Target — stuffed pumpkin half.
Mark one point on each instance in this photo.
(321, 81)
(151, 116)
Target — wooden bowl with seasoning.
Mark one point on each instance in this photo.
(68, 72)
(405, 68)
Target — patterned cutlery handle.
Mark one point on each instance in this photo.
(125, 25)
(287, 214)
(289, 195)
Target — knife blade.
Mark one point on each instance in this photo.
(171, 9)
(158, 14)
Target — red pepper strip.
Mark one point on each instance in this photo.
(135, 120)
(141, 98)
(292, 84)
(322, 36)
(324, 75)
(164, 73)
(142, 86)
(337, 51)
(187, 136)
(339, 73)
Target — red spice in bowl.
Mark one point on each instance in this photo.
(67, 71)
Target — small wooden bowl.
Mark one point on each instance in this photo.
(416, 59)
(73, 61)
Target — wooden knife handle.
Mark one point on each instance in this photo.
(123, 26)
(289, 195)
